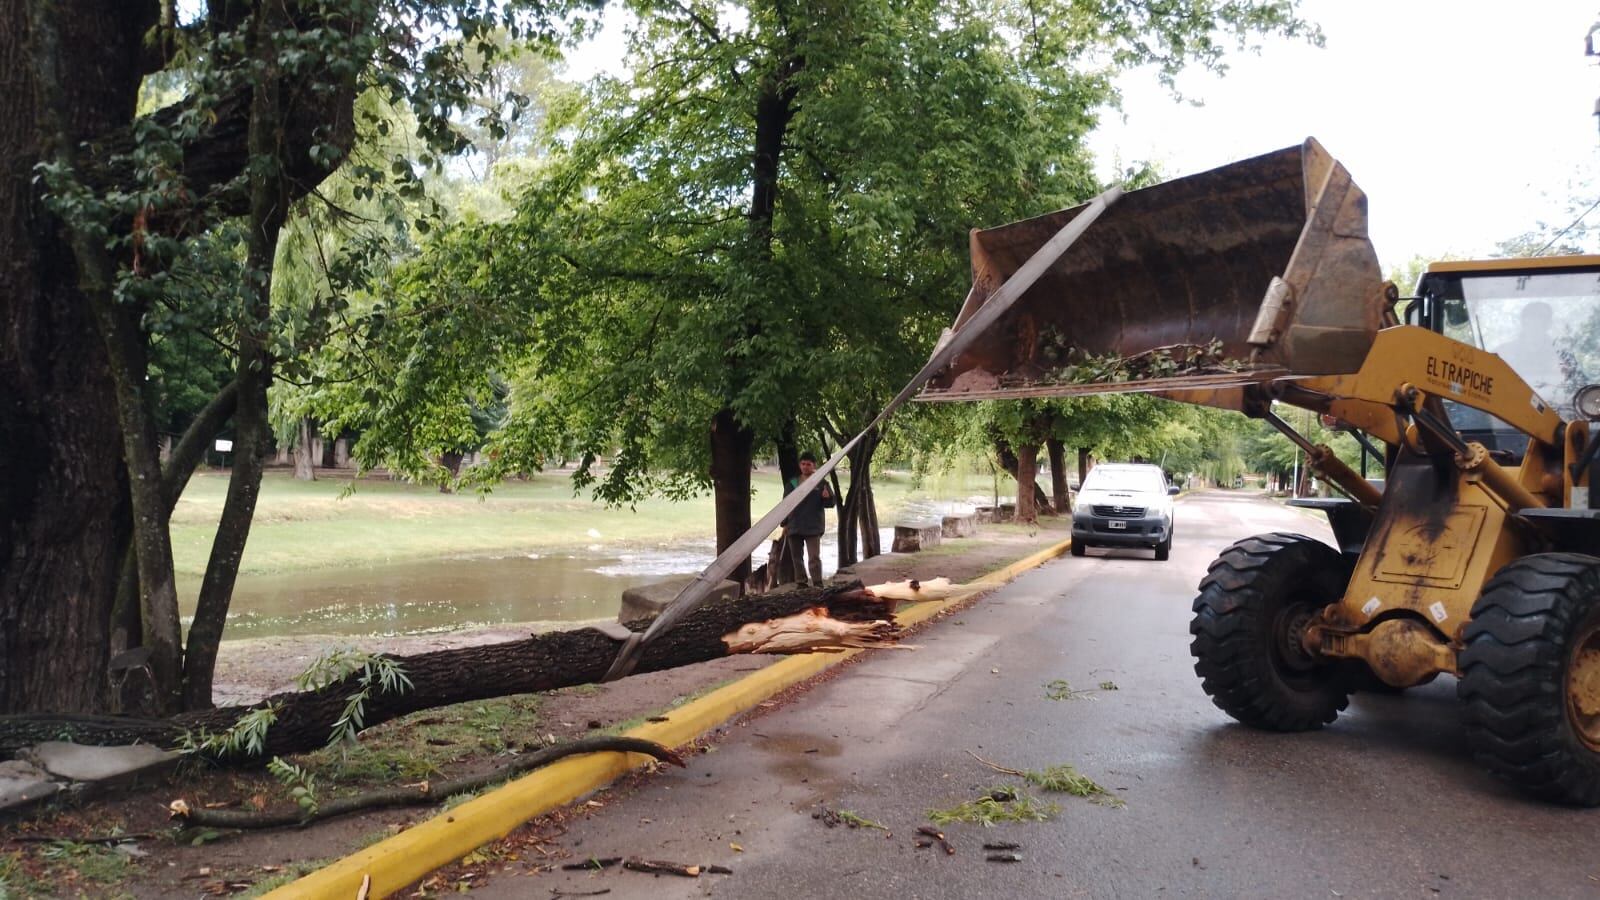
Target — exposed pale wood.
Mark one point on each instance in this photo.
(915, 590)
(812, 631)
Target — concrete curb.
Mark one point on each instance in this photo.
(398, 861)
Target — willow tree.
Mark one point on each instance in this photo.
(756, 234)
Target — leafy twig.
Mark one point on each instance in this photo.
(1002, 804)
(1063, 779)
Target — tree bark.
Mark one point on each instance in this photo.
(1028, 483)
(269, 204)
(788, 452)
(1009, 461)
(451, 461)
(304, 467)
(540, 663)
(732, 445)
(65, 525)
(186, 456)
(1083, 465)
(64, 532)
(1058, 476)
(190, 450)
(858, 514)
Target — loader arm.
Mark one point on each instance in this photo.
(1254, 285)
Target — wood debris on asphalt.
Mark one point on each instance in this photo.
(935, 836)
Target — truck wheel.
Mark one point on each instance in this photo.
(1078, 547)
(1254, 604)
(1164, 549)
(1530, 676)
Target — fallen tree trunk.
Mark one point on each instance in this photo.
(799, 621)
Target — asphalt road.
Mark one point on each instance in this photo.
(1385, 802)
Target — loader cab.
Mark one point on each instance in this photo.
(1540, 315)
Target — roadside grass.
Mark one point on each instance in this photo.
(436, 742)
(423, 744)
(64, 869)
(314, 525)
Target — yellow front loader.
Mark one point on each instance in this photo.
(1476, 555)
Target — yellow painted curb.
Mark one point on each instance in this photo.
(398, 861)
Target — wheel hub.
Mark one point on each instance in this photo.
(1291, 632)
(1585, 682)
(1583, 687)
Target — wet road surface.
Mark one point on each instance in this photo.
(1383, 803)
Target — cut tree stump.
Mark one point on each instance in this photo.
(647, 600)
(919, 536)
(959, 526)
(823, 619)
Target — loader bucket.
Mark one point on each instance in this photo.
(1268, 256)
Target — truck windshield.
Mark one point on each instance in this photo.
(1109, 478)
(1546, 325)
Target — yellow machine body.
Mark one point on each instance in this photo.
(1270, 257)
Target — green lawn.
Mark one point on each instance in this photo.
(309, 525)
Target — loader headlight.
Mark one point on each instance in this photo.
(1587, 400)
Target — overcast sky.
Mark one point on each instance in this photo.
(1465, 121)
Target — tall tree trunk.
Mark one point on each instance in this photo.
(788, 452)
(451, 461)
(152, 544)
(1010, 461)
(858, 517)
(118, 324)
(305, 468)
(1058, 475)
(871, 531)
(252, 434)
(65, 524)
(732, 445)
(788, 472)
(1027, 483)
(269, 204)
(1083, 465)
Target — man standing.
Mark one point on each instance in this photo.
(807, 523)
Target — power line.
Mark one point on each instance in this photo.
(1559, 234)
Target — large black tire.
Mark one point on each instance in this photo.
(1078, 548)
(1530, 674)
(1164, 549)
(1254, 602)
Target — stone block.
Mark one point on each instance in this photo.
(101, 765)
(919, 536)
(959, 526)
(647, 600)
(23, 784)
